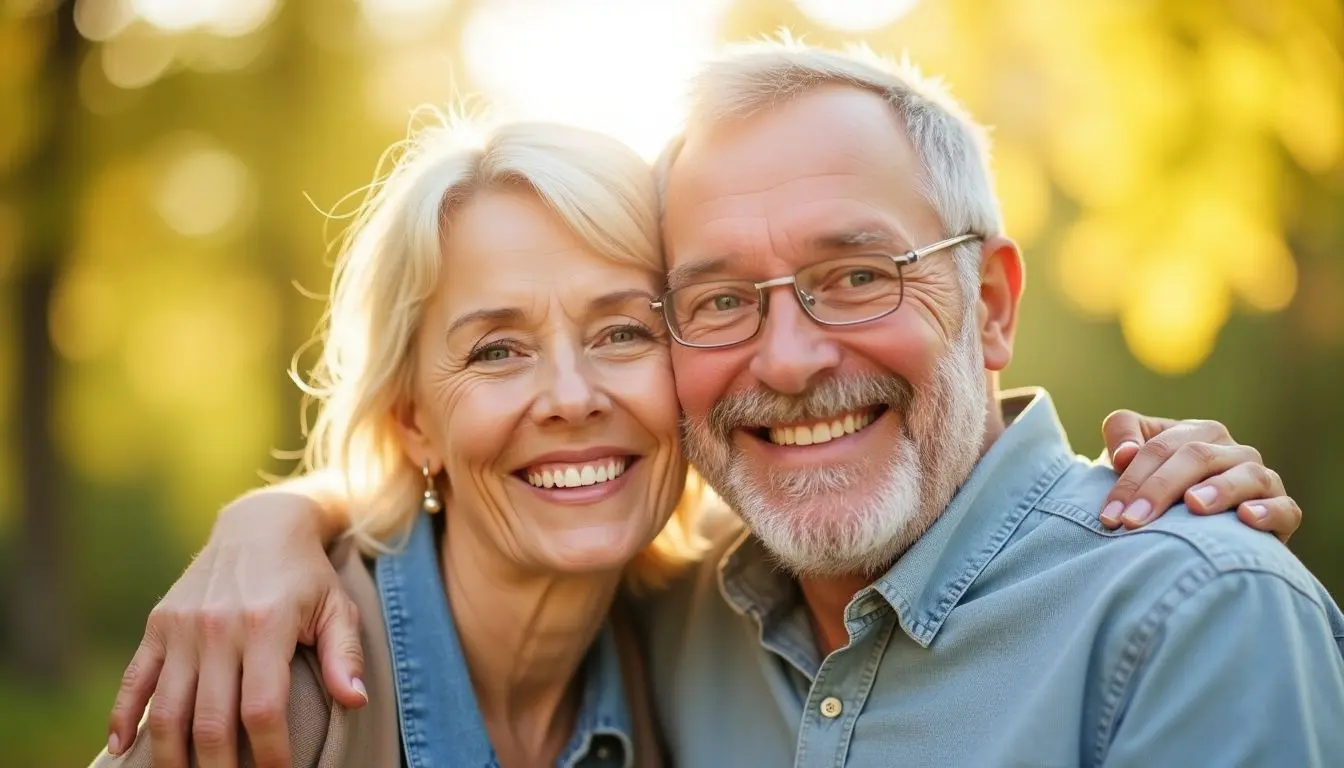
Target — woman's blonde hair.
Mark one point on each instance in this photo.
(389, 268)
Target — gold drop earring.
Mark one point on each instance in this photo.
(431, 502)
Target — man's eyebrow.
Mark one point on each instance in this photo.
(497, 315)
(860, 237)
(686, 273)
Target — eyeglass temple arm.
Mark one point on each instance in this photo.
(916, 254)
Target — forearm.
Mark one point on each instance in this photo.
(317, 503)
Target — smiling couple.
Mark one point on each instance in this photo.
(497, 558)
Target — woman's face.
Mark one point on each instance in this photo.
(543, 387)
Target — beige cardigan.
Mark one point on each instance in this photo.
(324, 734)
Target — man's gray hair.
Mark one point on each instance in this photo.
(953, 149)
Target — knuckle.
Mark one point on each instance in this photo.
(164, 719)
(1158, 488)
(1263, 477)
(210, 730)
(130, 679)
(262, 713)
(214, 623)
(351, 648)
(1162, 447)
(259, 617)
(1251, 454)
(1124, 488)
(1214, 431)
(162, 618)
(1200, 453)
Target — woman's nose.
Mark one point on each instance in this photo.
(570, 392)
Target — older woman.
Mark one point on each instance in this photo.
(494, 390)
(497, 401)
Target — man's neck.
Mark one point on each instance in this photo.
(524, 635)
(826, 598)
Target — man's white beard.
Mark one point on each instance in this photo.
(794, 511)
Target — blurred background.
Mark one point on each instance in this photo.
(1173, 170)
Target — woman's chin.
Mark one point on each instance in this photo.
(592, 549)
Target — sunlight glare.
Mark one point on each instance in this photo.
(615, 66)
(855, 15)
(402, 19)
(230, 18)
(101, 20)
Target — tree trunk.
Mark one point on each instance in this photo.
(40, 623)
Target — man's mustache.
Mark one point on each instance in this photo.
(763, 407)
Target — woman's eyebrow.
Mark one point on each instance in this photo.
(504, 315)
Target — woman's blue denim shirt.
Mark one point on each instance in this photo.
(437, 713)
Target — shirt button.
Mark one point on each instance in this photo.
(831, 707)
(603, 753)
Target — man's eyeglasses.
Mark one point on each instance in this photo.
(844, 291)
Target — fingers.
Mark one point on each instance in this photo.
(1246, 482)
(170, 711)
(1159, 475)
(1125, 431)
(137, 685)
(214, 728)
(340, 652)
(264, 698)
(1280, 516)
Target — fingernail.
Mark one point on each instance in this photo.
(1205, 493)
(1125, 446)
(358, 685)
(113, 745)
(1111, 514)
(1138, 512)
(1258, 510)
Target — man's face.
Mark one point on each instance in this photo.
(760, 199)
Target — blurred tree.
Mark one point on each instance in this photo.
(40, 623)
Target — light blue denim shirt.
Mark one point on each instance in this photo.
(440, 722)
(1016, 631)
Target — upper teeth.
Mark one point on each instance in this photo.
(575, 475)
(821, 431)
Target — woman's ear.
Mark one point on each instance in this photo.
(415, 439)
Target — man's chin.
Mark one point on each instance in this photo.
(829, 535)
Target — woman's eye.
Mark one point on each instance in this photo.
(625, 334)
(491, 354)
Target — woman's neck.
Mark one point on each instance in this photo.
(524, 635)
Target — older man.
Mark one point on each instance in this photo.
(845, 298)
(842, 298)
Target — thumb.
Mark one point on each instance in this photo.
(340, 652)
(1126, 431)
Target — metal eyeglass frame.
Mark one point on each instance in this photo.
(662, 306)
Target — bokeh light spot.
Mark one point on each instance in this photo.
(1172, 318)
(203, 190)
(138, 57)
(86, 314)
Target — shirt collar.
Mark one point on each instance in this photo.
(437, 711)
(928, 580)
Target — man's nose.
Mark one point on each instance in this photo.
(792, 351)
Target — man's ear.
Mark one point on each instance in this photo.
(1002, 278)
